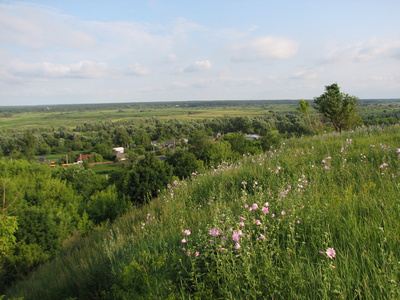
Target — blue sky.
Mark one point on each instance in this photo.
(61, 52)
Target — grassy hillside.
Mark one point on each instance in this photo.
(317, 218)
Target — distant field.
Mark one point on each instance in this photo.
(71, 116)
(74, 118)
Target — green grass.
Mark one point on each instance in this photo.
(331, 191)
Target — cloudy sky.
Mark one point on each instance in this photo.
(56, 52)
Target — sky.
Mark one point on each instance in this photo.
(76, 52)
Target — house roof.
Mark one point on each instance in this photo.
(82, 157)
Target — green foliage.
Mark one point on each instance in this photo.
(339, 108)
(106, 205)
(184, 163)
(8, 227)
(146, 179)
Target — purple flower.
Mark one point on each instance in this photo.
(331, 253)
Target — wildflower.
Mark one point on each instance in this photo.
(235, 236)
(196, 254)
(261, 237)
(237, 246)
(241, 224)
(266, 204)
(254, 206)
(283, 213)
(383, 165)
(273, 216)
(188, 254)
(223, 249)
(298, 222)
(215, 232)
(258, 222)
(241, 218)
(331, 253)
(265, 209)
(186, 232)
(326, 168)
(246, 206)
(183, 241)
(172, 195)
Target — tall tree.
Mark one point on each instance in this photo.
(339, 108)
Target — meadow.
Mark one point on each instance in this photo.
(315, 218)
(73, 115)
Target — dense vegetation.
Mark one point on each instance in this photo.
(99, 229)
(316, 217)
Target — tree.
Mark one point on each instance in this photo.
(184, 163)
(146, 178)
(339, 108)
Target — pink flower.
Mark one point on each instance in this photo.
(237, 246)
(188, 253)
(196, 254)
(215, 232)
(283, 213)
(241, 218)
(254, 206)
(266, 204)
(186, 232)
(261, 237)
(235, 236)
(331, 253)
(265, 209)
(172, 195)
(241, 224)
(273, 216)
(183, 241)
(258, 222)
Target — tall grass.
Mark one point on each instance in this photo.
(260, 228)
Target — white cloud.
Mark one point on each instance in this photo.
(138, 70)
(198, 66)
(266, 47)
(39, 27)
(82, 69)
(366, 51)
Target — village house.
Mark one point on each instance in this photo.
(253, 137)
(82, 157)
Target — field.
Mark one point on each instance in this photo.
(316, 218)
(71, 116)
